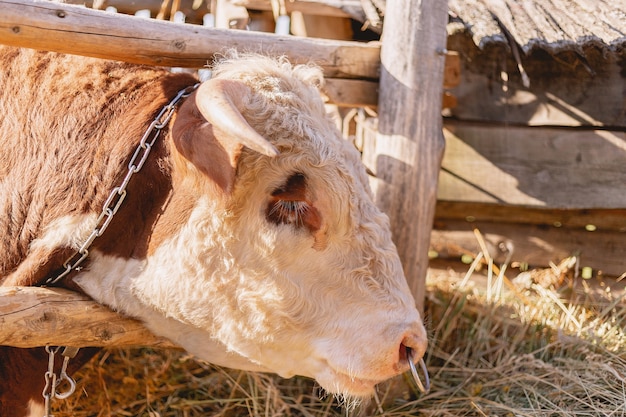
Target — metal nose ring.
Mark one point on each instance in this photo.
(425, 387)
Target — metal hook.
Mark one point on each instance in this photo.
(63, 376)
(70, 390)
(424, 388)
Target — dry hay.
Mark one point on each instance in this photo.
(496, 350)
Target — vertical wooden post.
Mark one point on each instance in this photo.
(409, 143)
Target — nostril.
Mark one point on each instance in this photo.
(416, 343)
(402, 356)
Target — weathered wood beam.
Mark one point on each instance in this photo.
(34, 316)
(582, 219)
(542, 167)
(409, 144)
(535, 245)
(82, 31)
(351, 93)
(537, 236)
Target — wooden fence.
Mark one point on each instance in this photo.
(355, 75)
(537, 170)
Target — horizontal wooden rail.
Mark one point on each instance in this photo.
(34, 316)
(78, 30)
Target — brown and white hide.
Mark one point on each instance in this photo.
(250, 237)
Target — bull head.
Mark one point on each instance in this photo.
(271, 255)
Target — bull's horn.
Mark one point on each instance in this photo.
(220, 101)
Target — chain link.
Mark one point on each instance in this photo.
(118, 194)
(53, 382)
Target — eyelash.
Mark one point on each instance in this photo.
(289, 212)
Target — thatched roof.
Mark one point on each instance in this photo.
(552, 25)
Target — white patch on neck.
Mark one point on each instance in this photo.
(70, 230)
(110, 281)
(34, 409)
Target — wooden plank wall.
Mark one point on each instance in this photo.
(542, 167)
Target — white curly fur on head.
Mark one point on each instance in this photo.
(252, 67)
(280, 89)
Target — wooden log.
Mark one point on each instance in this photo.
(35, 316)
(596, 219)
(82, 31)
(362, 93)
(407, 151)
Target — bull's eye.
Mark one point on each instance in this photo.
(289, 205)
(288, 212)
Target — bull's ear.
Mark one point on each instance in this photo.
(210, 131)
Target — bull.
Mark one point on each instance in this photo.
(248, 234)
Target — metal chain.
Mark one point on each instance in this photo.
(118, 194)
(53, 382)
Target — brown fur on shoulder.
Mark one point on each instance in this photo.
(69, 127)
